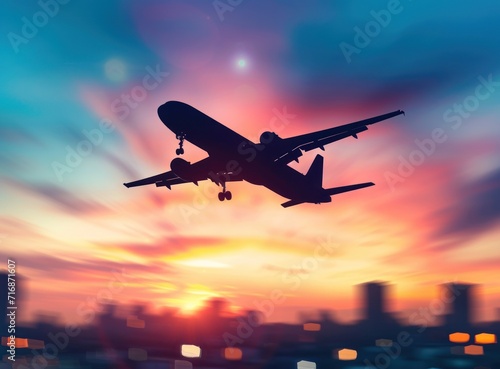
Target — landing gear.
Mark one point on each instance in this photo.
(225, 195)
(181, 138)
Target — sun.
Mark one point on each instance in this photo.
(241, 63)
(190, 305)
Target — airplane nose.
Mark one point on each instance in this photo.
(171, 114)
(163, 110)
(170, 108)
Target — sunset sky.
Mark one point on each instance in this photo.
(101, 69)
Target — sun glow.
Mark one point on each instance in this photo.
(190, 306)
(191, 303)
(203, 263)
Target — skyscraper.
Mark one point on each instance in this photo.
(459, 300)
(374, 300)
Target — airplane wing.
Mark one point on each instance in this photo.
(189, 173)
(291, 148)
(164, 179)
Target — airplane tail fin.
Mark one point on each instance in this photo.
(337, 190)
(315, 177)
(315, 173)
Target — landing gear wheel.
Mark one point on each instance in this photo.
(181, 138)
(228, 195)
(221, 196)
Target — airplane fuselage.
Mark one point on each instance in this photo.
(236, 156)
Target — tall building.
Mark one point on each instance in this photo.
(374, 300)
(459, 300)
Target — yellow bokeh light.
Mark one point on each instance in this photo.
(473, 350)
(459, 337)
(232, 353)
(347, 354)
(19, 342)
(485, 338)
(190, 351)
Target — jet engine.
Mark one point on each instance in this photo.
(183, 169)
(268, 137)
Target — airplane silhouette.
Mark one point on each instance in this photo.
(232, 157)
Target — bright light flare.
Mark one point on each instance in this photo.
(115, 70)
(303, 364)
(189, 306)
(190, 351)
(347, 354)
(241, 64)
(459, 337)
(233, 353)
(485, 338)
(473, 350)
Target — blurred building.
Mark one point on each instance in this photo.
(376, 321)
(459, 298)
(374, 300)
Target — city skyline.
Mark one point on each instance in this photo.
(456, 305)
(212, 336)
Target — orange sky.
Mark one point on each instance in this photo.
(178, 248)
(72, 234)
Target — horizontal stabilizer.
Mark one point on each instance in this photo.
(337, 190)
